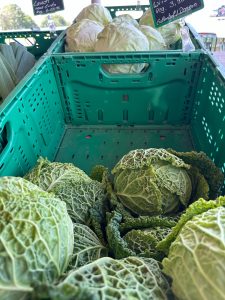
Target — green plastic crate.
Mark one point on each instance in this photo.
(71, 110)
(36, 42)
(58, 46)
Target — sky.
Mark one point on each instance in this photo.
(201, 20)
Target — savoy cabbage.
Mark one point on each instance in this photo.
(152, 181)
(70, 184)
(196, 258)
(36, 237)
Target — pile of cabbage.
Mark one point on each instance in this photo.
(94, 30)
(152, 227)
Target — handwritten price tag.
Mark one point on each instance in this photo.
(42, 7)
(166, 11)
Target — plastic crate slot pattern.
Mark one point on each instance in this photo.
(215, 96)
(192, 87)
(103, 90)
(207, 130)
(35, 121)
(89, 146)
(208, 114)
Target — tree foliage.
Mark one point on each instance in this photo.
(12, 17)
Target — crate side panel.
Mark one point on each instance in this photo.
(208, 124)
(162, 94)
(32, 124)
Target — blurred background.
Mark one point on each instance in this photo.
(209, 22)
(210, 19)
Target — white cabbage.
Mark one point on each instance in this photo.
(156, 41)
(82, 36)
(95, 12)
(170, 32)
(123, 37)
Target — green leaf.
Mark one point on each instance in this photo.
(107, 278)
(196, 208)
(36, 236)
(206, 167)
(196, 258)
(117, 245)
(138, 191)
(87, 247)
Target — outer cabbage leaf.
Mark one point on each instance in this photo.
(143, 242)
(87, 247)
(95, 12)
(107, 278)
(117, 246)
(139, 158)
(36, 237)
(174, 184)
(137, 236)
(98, 172)
(82, 36)
(208, 170)
(47, 174)
(196, 258)
(196, 208)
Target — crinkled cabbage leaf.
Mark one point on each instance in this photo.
(151, 181)
(70, 184)
(196, 258)
(36, 237)
(107, 278)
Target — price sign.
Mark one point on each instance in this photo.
(166, 11)
(42, 7)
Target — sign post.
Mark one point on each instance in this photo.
(166, 11)
(42, 7)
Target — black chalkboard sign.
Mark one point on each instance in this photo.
(42, 7)
(166, 11)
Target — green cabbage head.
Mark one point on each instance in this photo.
(152, 181)
(196, 258)
(36, 237)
